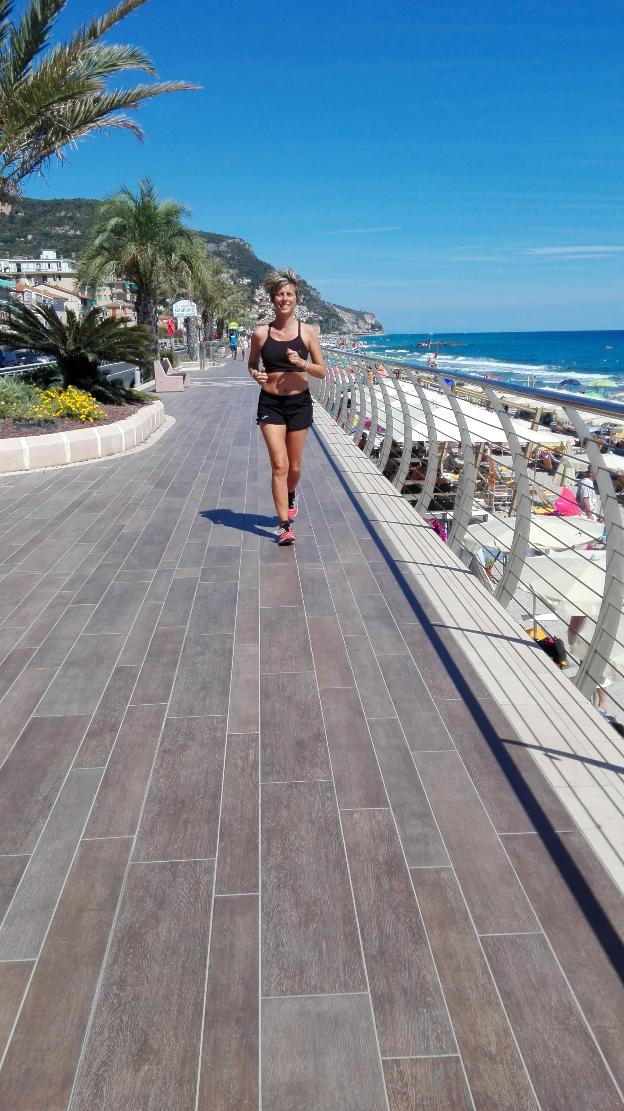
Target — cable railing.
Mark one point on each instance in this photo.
(525, 485)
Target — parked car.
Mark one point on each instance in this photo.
(25, 357)
(8, 359)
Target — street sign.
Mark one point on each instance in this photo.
(184, 308)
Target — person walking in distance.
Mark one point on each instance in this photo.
(233, 344)
(242, 345)
(289, 351)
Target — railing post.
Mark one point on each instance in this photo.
(462, 510)
(592, 669)
(347, 394)
(372, 433)
(428, 486)
(406, 454)
(519, 546)
(384, 453)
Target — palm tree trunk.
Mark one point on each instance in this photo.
(192, 346)
(145, 308)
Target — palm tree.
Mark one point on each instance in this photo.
(77, 345)
(212, 287)
(142, 240)
(53, 95)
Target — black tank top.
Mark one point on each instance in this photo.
(274, 355)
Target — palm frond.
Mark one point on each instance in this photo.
(29, 36)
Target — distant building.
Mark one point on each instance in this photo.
(45, 269)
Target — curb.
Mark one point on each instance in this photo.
(30, 453)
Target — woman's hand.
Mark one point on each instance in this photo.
(296, 360)
(260, 376)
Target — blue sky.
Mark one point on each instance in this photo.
(449, 166)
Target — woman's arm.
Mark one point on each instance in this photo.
(317, 367)
(253, 366)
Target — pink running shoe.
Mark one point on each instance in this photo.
(293, 508)
(286, 534)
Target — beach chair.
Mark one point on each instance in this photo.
(166, 379)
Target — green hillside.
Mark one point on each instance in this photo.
(61, 225)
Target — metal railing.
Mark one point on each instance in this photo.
(476, 459)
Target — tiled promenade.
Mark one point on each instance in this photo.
(259, 846)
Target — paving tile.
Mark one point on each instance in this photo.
(582, 914)
(237, 866)
(307, 549)
(61, 639)
(19, 703)
(48, 553)
(31, 778)
(140, 635)
(16, 588)
(331, 661)
(100, 736)
(158, 672)
(249, 570)
(563, 1061)
(181, 815)
(13, 983)
(354, 764)
(93, 590)
(284, 642)
(244, 710)
(496, 1074)
(368, 678)
(494, 896)
(221, 564)
(408, 1005)
(202, 684)
(118, 608)
(515, 792)
(281, 589)
(12, 666)
(443, 666)
(214, 608)
(248, 617)
(179, 601)
(337, 1030)
(8, 640)
(294, 746)
(28, 917)
(81, 680)
(428, 1084)
(36, 600)
(348, 614)
(421, 721)
(316, 594)
(118, 804)
(229, 1061)
(11, 871)
(360, 576)
(420, 837)
(143, 1046)
(309, 935)
(54, 1017)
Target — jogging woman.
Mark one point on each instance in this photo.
(289, 351)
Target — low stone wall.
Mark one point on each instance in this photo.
(29, 453)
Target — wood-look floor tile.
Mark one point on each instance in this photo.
(221, 564)
(421, 721)
(28, 916)
(248, 616)
(354, 764)
(118, 608)
(309, 935)
(428, 1084)
(122, 790)
(244, 708)
(159, 669)
(282, 589)
(100, 735)
(494, 896)
(348, 614)
(53, 1020)
(293, 735)
(14, 978)
(96, 585)
(514, 790)
(368, 678)
(420, 836)
(331, 661)
(316, 595)
(407, 1000)
(237, 867)
(31, 778)
(582, 913)
(143, 1045)
(140, 635)
(19, 703)
(12, 665)
(320, 1053)
(81, 680)
(202, 685)
(563, 1062)
(284, 642)
(11, 871)
(178, 602)
(495, 1071)
(229, 1061)
(181, 815)
(380, 625)
(60, 640)
(214, 608)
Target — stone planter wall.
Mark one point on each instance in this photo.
(28, 453)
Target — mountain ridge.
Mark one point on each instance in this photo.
(60, 224)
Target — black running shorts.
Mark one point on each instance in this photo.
(294, 410)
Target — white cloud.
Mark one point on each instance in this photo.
(578, 250)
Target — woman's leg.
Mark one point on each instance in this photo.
(275, 440)
(295, 443)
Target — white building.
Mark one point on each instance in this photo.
(45, 269)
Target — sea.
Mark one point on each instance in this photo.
(594, 360)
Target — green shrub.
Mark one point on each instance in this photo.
(17, 398)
